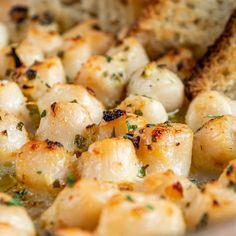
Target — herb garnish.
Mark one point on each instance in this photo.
(214, 116)
(43, 114)
(142, 171)
(70, 180)
(20, 125)
(129, 198)
(130, 127)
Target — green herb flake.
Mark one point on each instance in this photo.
(109, 58)
(43, 114)
(151, 125)
(20, 125)
(131, 127)
(39, 172)
(214, 117)
(142, 171)
(150, 207)
(129, 198)
(138, 112)
(14, 202)
(74, 101)
(33, 111)
(21, 194)
(70, 180)
(115, 77)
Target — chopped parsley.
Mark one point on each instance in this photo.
(116, 76)
(43, 114)
(214, 117)
(21, 194)
(70, 180)
(150, 207)
(74, 101)
(14, 202)
(33, 111)
(109, 58)
(130, 127)
(129, 198)
(150, 125)
(142, 171)
(20, 125)
(39, 172)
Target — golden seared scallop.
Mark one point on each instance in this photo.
(14, 219)
(109, 160)
(206, 106)
(159, 83)
(99, 41)
(131, 53)
(164, 146)
(29, 53)
(150, 109)
(106, 77)
(79, 205)
(73, 54)
(214, 144)
(135, 214)
(43, 33)
(44, 165)
(64, 122)
(4, 35)
(179, 190)
(38, 78)
(228, 176)
(221, 203)
(13, 136)
(12, 100)
(117, 123)
(75, 94)
(71, 232)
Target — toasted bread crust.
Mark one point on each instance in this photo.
(168, 24)
(217, 69)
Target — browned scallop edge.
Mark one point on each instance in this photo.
(199, 80)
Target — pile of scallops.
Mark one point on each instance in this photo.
(87, 118)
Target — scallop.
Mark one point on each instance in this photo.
(152, 110)
(109, 160)
(44, 165)
(64, 122)
(159, 83)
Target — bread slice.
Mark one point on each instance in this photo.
(112, 15)
(195, 24)
(217, 69)
(181, 61)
